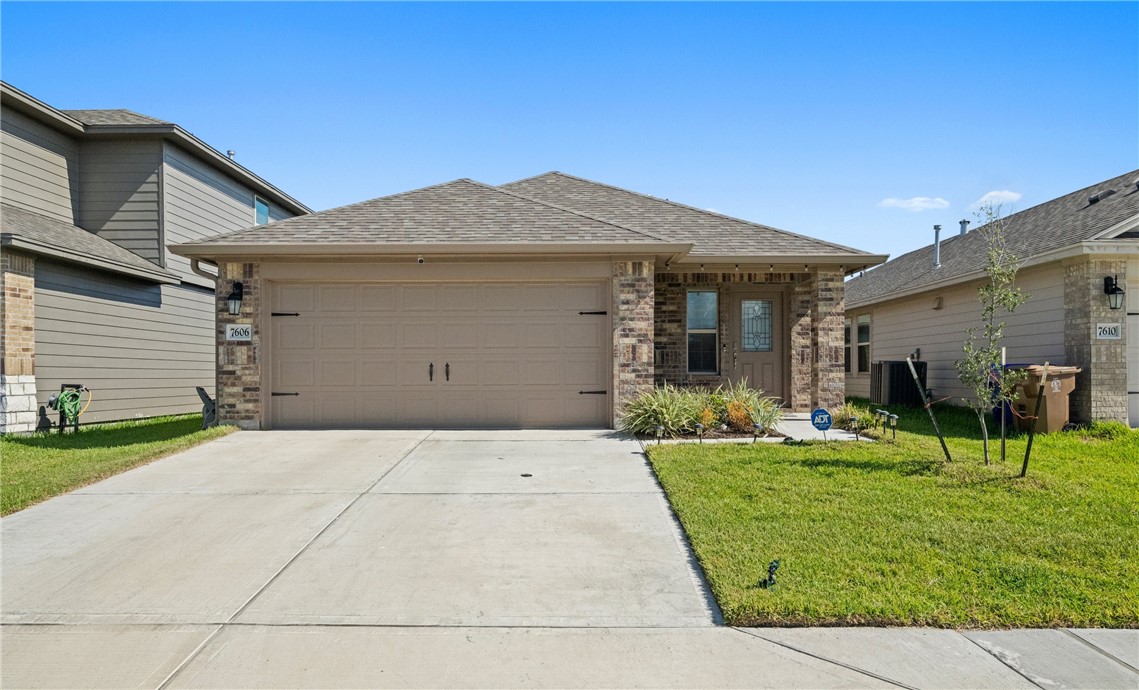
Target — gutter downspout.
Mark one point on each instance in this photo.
(197, 269)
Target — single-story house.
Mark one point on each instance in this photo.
(89, 199)
(1074, 250)
(546, 302)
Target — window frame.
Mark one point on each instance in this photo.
(268, 210)
(715, 331)
(846, 345)
(863, 366)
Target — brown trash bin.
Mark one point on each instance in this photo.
(1054, 409)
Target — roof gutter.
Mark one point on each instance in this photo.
(853, 262)
(31, 245)
(1087, 247)
(213, 251)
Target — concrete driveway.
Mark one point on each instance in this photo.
(413, 559)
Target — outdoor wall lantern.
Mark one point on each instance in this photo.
(234, 299)
(1114, 292)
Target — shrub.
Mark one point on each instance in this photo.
(845, 416)
(708, 418)
(738, 418)
(745, 407)
(675, 409)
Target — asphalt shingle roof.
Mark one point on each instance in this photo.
(713, 234)
(113, 117)
(52, 232)
(1049, 226)
(453, 212)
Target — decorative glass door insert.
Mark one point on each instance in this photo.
(756, 325)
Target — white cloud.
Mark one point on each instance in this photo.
(917, 203)
(996, 198)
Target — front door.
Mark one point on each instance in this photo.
(757, 341)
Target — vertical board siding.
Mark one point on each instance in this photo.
(141, 347)
(38, 167)
(201, 201)
(1034, 334)
(118, 194)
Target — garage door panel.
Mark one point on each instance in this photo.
(381, 298)
(543, 372)
(418, 298)
(499, 372)
(463, 298)
(418, 336)
(336, 335)
(577, 298)
(294, 335)
(583, 334)
(518, 353)
(463, 334)
(337, 373)
(294, 298)
(542, 334)
(294, 373)
(378, 372)
(377, 336)
(336, 298)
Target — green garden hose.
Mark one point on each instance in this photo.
(68, 402)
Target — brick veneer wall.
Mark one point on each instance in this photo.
(1101, 389)
(829, 379)
(17, 342)
(239, 363)
(632, 331)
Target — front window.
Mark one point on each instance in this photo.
(262, 210)
(703, 332)
(863, 343)
(846, 346)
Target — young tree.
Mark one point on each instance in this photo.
(979, 369)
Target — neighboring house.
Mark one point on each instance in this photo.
(1068, 246)
(547, 302)
(89, 199)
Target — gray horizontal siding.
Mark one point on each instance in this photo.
(141, 348)
(118, 194)
(38, 167)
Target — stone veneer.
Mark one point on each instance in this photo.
(1101, 389)
(238, 383)
(815, 319)
(633, 290)
(17, 343)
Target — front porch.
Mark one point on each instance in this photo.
(781, 330)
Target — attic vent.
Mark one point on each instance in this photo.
(1096, 198)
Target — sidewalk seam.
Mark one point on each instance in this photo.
(1070, 633)
(828, 660)
(1015, 670)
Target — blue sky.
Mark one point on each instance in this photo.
(805, 116)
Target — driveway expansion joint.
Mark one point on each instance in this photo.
(1097, 648)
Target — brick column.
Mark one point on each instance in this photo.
(17, 343)
(1101, 389)
(239, 363)
(802, 346)
(829, 309)
(632, 331)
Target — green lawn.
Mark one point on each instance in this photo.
(35, 468)
(886, 534)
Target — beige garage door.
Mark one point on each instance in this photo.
(439, 356)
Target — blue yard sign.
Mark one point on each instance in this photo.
(821, 419)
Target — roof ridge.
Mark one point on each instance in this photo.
(575, 212)
(715, 214)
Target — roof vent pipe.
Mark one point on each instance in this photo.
(937, 246)
(231, 153)
(964, 226)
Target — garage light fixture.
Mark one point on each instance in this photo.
(1114, 292)
(234, 299)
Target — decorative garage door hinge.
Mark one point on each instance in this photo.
(285, 313)
(275, 394)
(592, 392)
